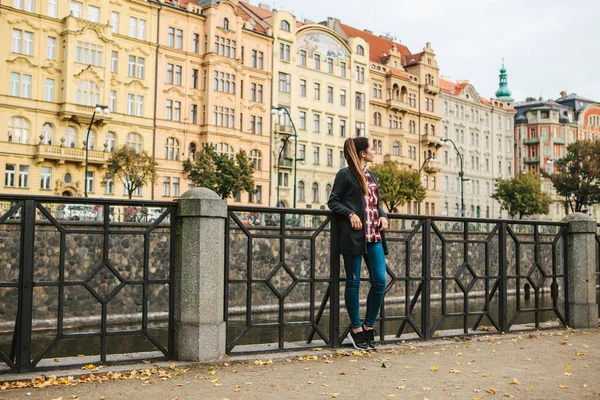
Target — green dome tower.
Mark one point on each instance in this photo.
(503, 93)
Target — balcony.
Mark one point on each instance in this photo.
(431, 140)
(69, 154)
(559, 140)
(404, 161)
(284, 129)
(287, 163)
(532, 140)
(397, 105)
(432, 167)
(431, 89)
(531, 160)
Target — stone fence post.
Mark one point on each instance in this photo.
(581, 270)
(199, 276)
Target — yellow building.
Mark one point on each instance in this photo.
(213, 86)
(63, 60)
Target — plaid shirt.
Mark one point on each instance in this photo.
(371, 214)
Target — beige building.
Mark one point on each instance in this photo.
(213, 86)
(63, 59)
(482, 131)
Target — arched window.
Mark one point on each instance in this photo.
(172, 149)
(18, 130)
(396, 149)
(47, 134)
(328, 191)
(315, 192)
(301, 196)
(403, 94)
(90, 139)
(109, 142)
(255, 159)
(70, 137)
(88, 93)
(225, 24)
(456, 210)
(224, 148)
(134, 141)
(360, 50)
(192, 151)
(433, 130)
(377, 119)
(285, 26)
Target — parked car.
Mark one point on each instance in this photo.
(77, 212)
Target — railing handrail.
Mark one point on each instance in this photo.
(89, 200)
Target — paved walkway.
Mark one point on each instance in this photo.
(533, 365)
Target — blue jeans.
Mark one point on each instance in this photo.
(375, 260)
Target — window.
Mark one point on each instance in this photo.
(112, 102)
(342, 159)
(178, 70)
(52, 8)
(70, 137)
(89, 53)
(22, 42)
(18, 130)
(176, 187)
(224, 82)
(377, 119)
(23, 176)
(139, 105)
(342, 97)
(166, 191)
(328, 191)
(114, 21)
(49, 90)
(76, 9)
(301, 195)
(194, 78)
(329, 125)
(342, 69)
(226, 47)
(330, 94)
(223, 116)
(303, 58)
(303, 120)
(360, 101)
(257, 59)
(302, 88)
(316, 155)
(51, 48)
(360, 50)
(412, 126)
(109, 142)
(360, 73)
(87, 94)
(169, 110)
(194, 113)
(330, 157)
(316, 123)
(302, 152)
(360, 129)
(47, 134)
(285, 26)
(377, 91)
(45, 178)
(172, 149)
(134, 141)
(179, 39)
(317, 59)
(315, 192)
(93, 15)
(114, 62)
(196, 43)
(284, 52)
(317, 91)
(89, 181)
(9, 175)
(342, 127)
(137, 28)
(330, 65)
(285, 82)
(396, 149)
(225, 24)
(255, 159)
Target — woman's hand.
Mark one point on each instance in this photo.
(355, 222)
(383, 223)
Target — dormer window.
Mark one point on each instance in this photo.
(225, 24)
(360, 50)
(285, 26)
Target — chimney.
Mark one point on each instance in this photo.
(264, 6)
(369, 31)
(563, 94)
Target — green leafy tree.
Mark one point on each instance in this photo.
(577, 175)
(522, 195)
(135, 170)
(221, 173)
(397, 186)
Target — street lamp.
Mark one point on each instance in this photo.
(281, 111)
(461, 174)
(98, 109)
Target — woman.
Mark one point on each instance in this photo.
(355, 202)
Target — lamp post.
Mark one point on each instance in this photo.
(461, 174)
(98, 109)
(280, 111)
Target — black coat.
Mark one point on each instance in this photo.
(347, 197)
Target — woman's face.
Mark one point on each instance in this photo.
(369, 154)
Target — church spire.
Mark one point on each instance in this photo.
(503, 93)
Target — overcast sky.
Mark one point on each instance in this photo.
(548, 45)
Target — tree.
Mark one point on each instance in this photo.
(577, 175)
(397, 186)
(522, 195)
(221, 173)
(134, 170)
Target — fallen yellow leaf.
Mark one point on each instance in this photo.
(434, 368)
(562, 386)
(568, 368)
(514, 382)
(491, 390)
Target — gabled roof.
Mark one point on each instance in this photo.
(245, 16)
(378, 46)
(258, 11)
(456, 88)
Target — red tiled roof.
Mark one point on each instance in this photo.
(377, 44)
(246, 17)
(413, 59)
(260, 12)
(398, 73)
(485, 101)
(457, 88)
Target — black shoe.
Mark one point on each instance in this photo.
(358, 340)
(370, 337)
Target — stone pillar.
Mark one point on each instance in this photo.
(581, 269)
(199, 276)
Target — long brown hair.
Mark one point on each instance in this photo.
(352, 148)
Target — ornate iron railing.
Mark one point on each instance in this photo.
(84, 281)
(446, 277)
